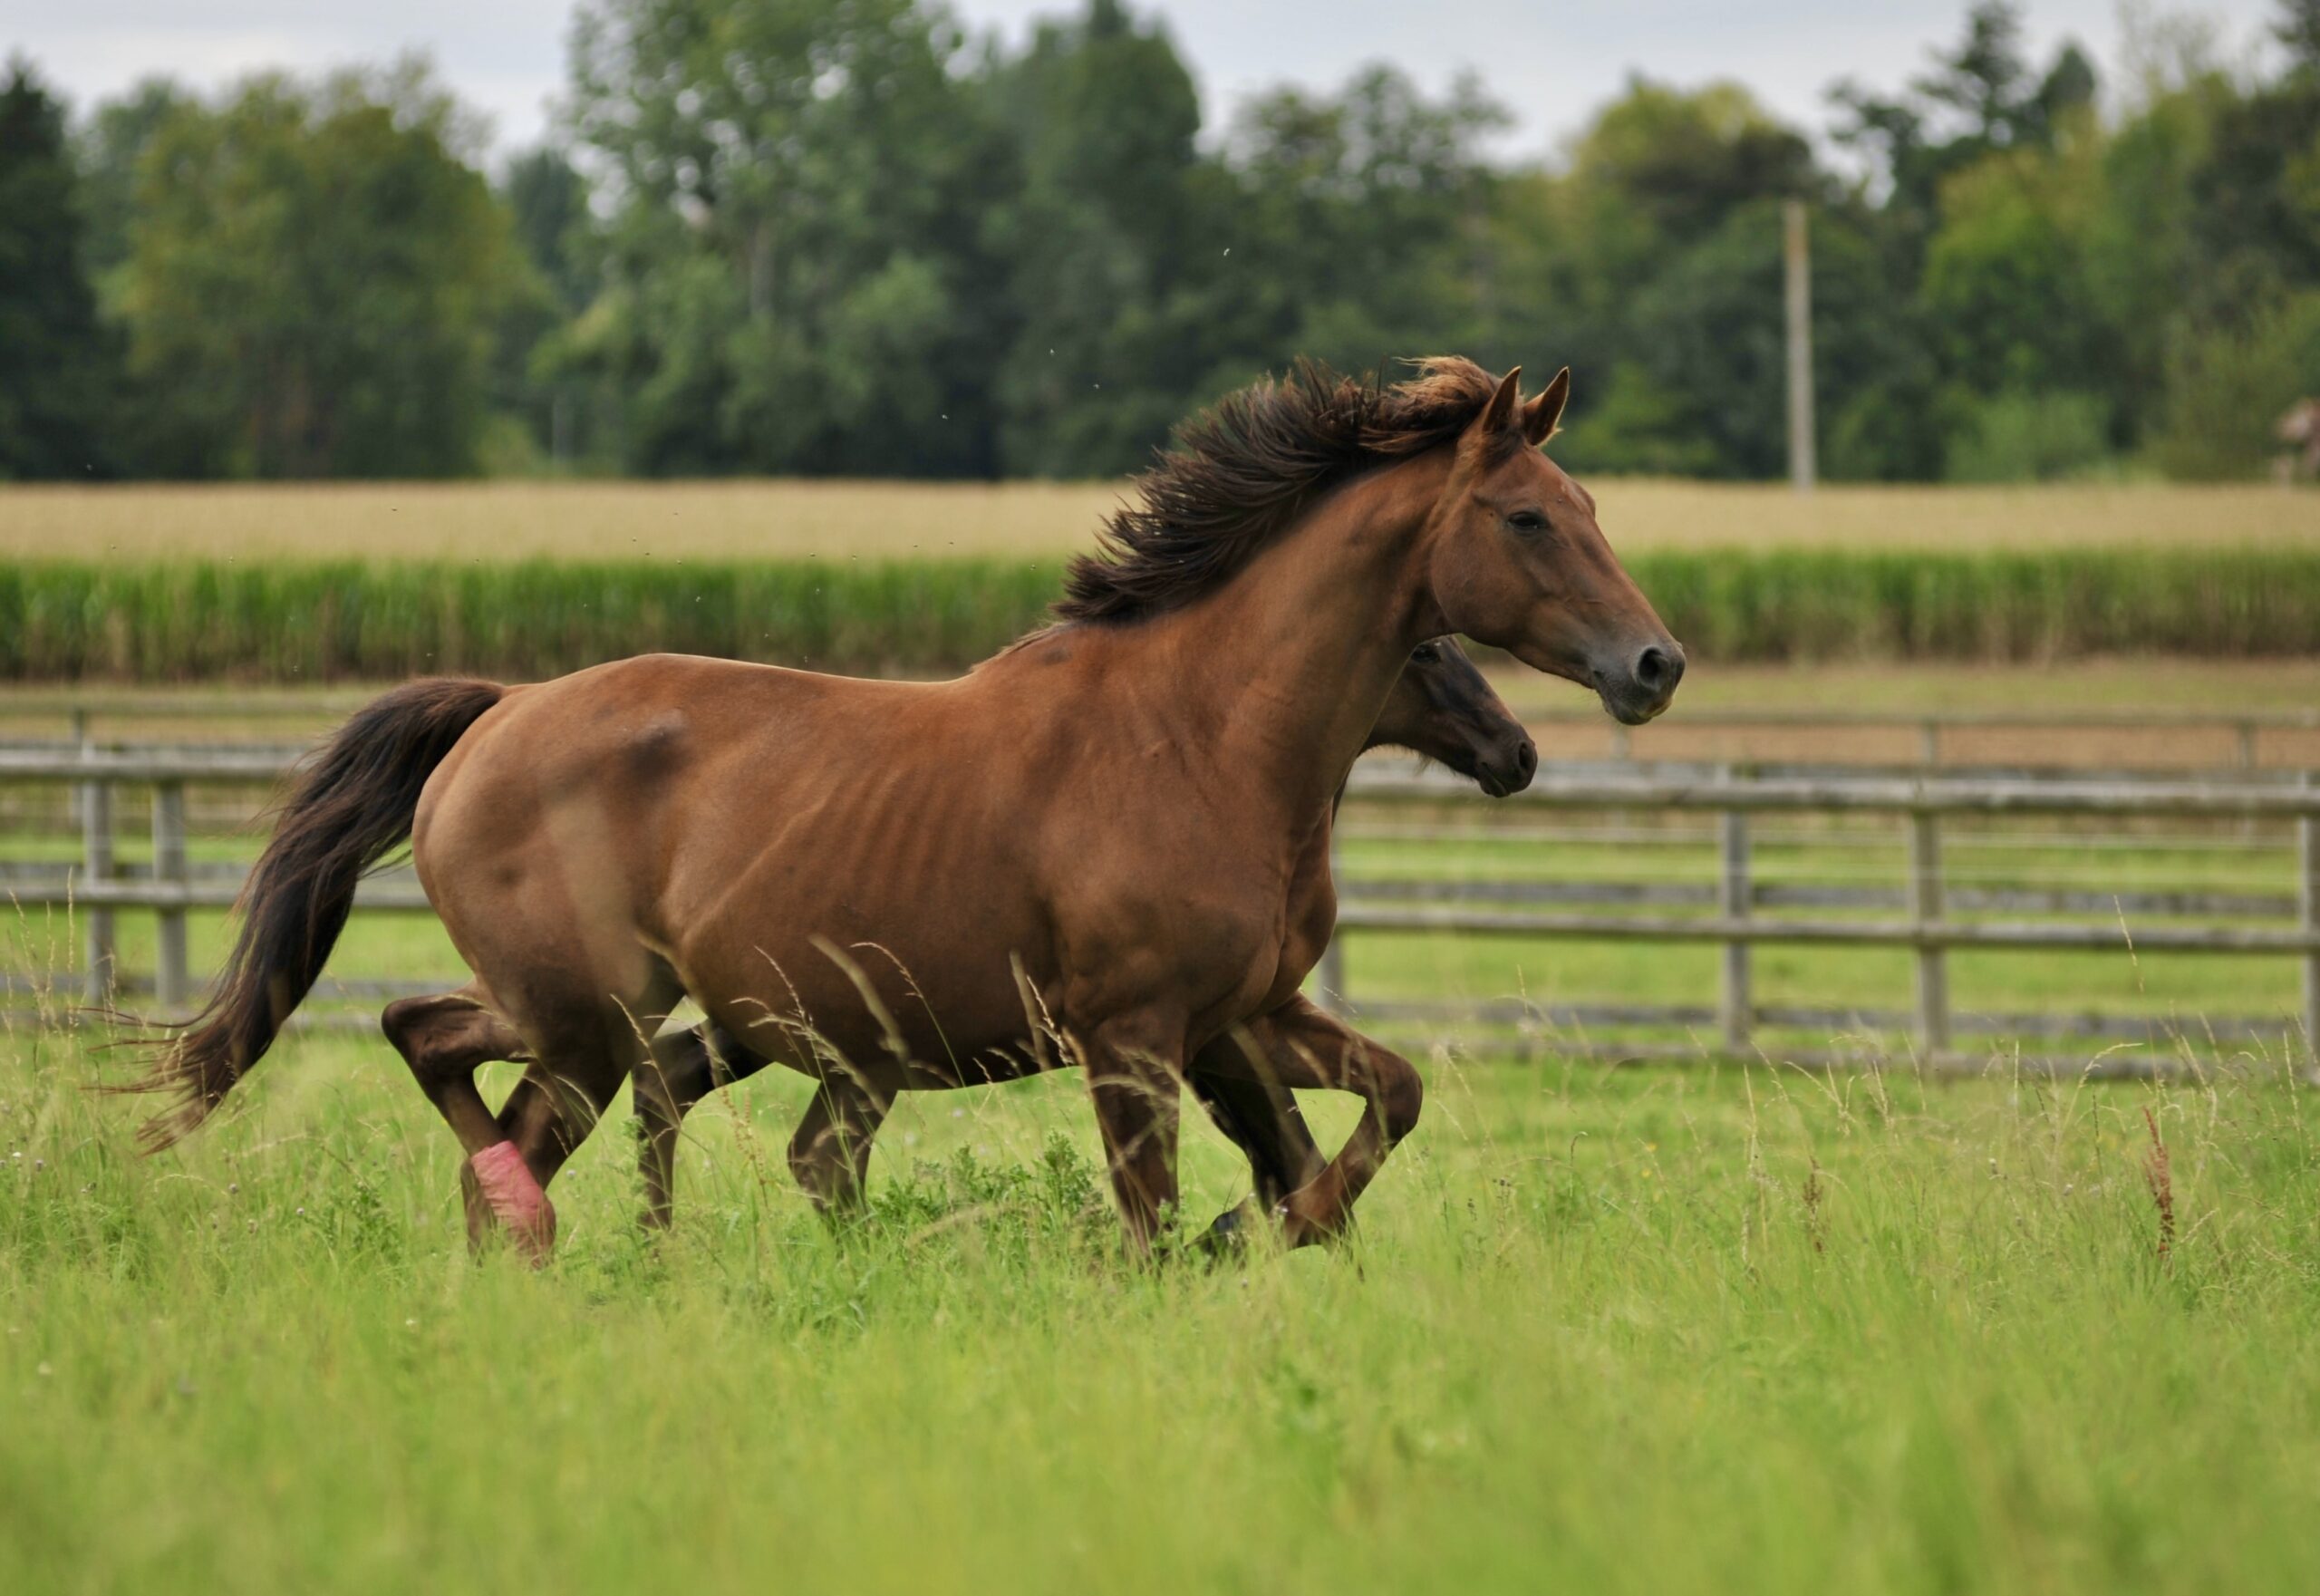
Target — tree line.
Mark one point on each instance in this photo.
(843, 237)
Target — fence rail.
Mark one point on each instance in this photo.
(80, 714)
(1929, 924)
(1929, 928)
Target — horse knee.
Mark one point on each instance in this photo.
(437, 1039)
(396, 1019)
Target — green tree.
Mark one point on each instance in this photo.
(1364, 219)
(544, 398)
(798, 277)
(109, 149)
(1981, 96)
(2298, 28)
(1652, 261)
(547, 206)
(1683, 159)
(1110, 242)
(57, 365)
(2005, 283)
(314, 277)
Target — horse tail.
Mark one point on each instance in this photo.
(353, 802)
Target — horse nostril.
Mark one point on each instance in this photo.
(1526, 760)
(1657, 671)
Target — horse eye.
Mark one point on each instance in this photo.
(1527, 521)
(1426, 653)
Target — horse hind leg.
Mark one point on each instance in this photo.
(829, 1154)
(684, 1067)
(1299, 1046)
(582, 1046)
(444, 1040)
(1262, 1117)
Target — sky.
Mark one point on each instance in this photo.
(1552, 61)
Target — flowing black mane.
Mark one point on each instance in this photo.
(1245, 468)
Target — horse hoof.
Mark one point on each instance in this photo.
(1228, 1235)
(516, 1199)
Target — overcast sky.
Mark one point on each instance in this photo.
(1553, 60)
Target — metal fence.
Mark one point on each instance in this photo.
(1931, 921)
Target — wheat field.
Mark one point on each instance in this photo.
(513, 520)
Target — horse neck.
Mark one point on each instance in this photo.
(1291, 660)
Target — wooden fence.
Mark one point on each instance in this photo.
(1929, 924)
(2247, 736)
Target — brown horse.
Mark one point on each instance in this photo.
(1084, 851)
(1440, 708)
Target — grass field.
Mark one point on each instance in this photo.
(1675, 1331)
(617, 520)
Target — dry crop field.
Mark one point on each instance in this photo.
(610, 520)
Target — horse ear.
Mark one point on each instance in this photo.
(1498, 415)
(1543, 415)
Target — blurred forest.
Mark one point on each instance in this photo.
(843, 237)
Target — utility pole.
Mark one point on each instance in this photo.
(1797, 257)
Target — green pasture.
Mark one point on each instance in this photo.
(1720, 1330)
(1707, 1328)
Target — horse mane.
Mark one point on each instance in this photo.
(1243, 470)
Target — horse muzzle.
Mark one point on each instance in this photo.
(1507, 770)
(1643, 686)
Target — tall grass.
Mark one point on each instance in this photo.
(298, 621)
(1736, 1331)
(316, 622)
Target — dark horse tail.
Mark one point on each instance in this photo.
(351, 804)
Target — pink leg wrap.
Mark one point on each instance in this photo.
(515, 1198)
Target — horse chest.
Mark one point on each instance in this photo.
(1310, 921)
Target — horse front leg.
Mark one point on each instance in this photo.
(1297, 1045)
(1134, 1066)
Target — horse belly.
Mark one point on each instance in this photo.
(875, 929)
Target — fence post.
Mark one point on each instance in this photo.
(1796, 263)
(1622, 743)
(2308, 841)
(1330, 977)
(1928, 743)
(1734, 898)
(171, 985)
(96, 865)
(2246, 730)
(1925, 909)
